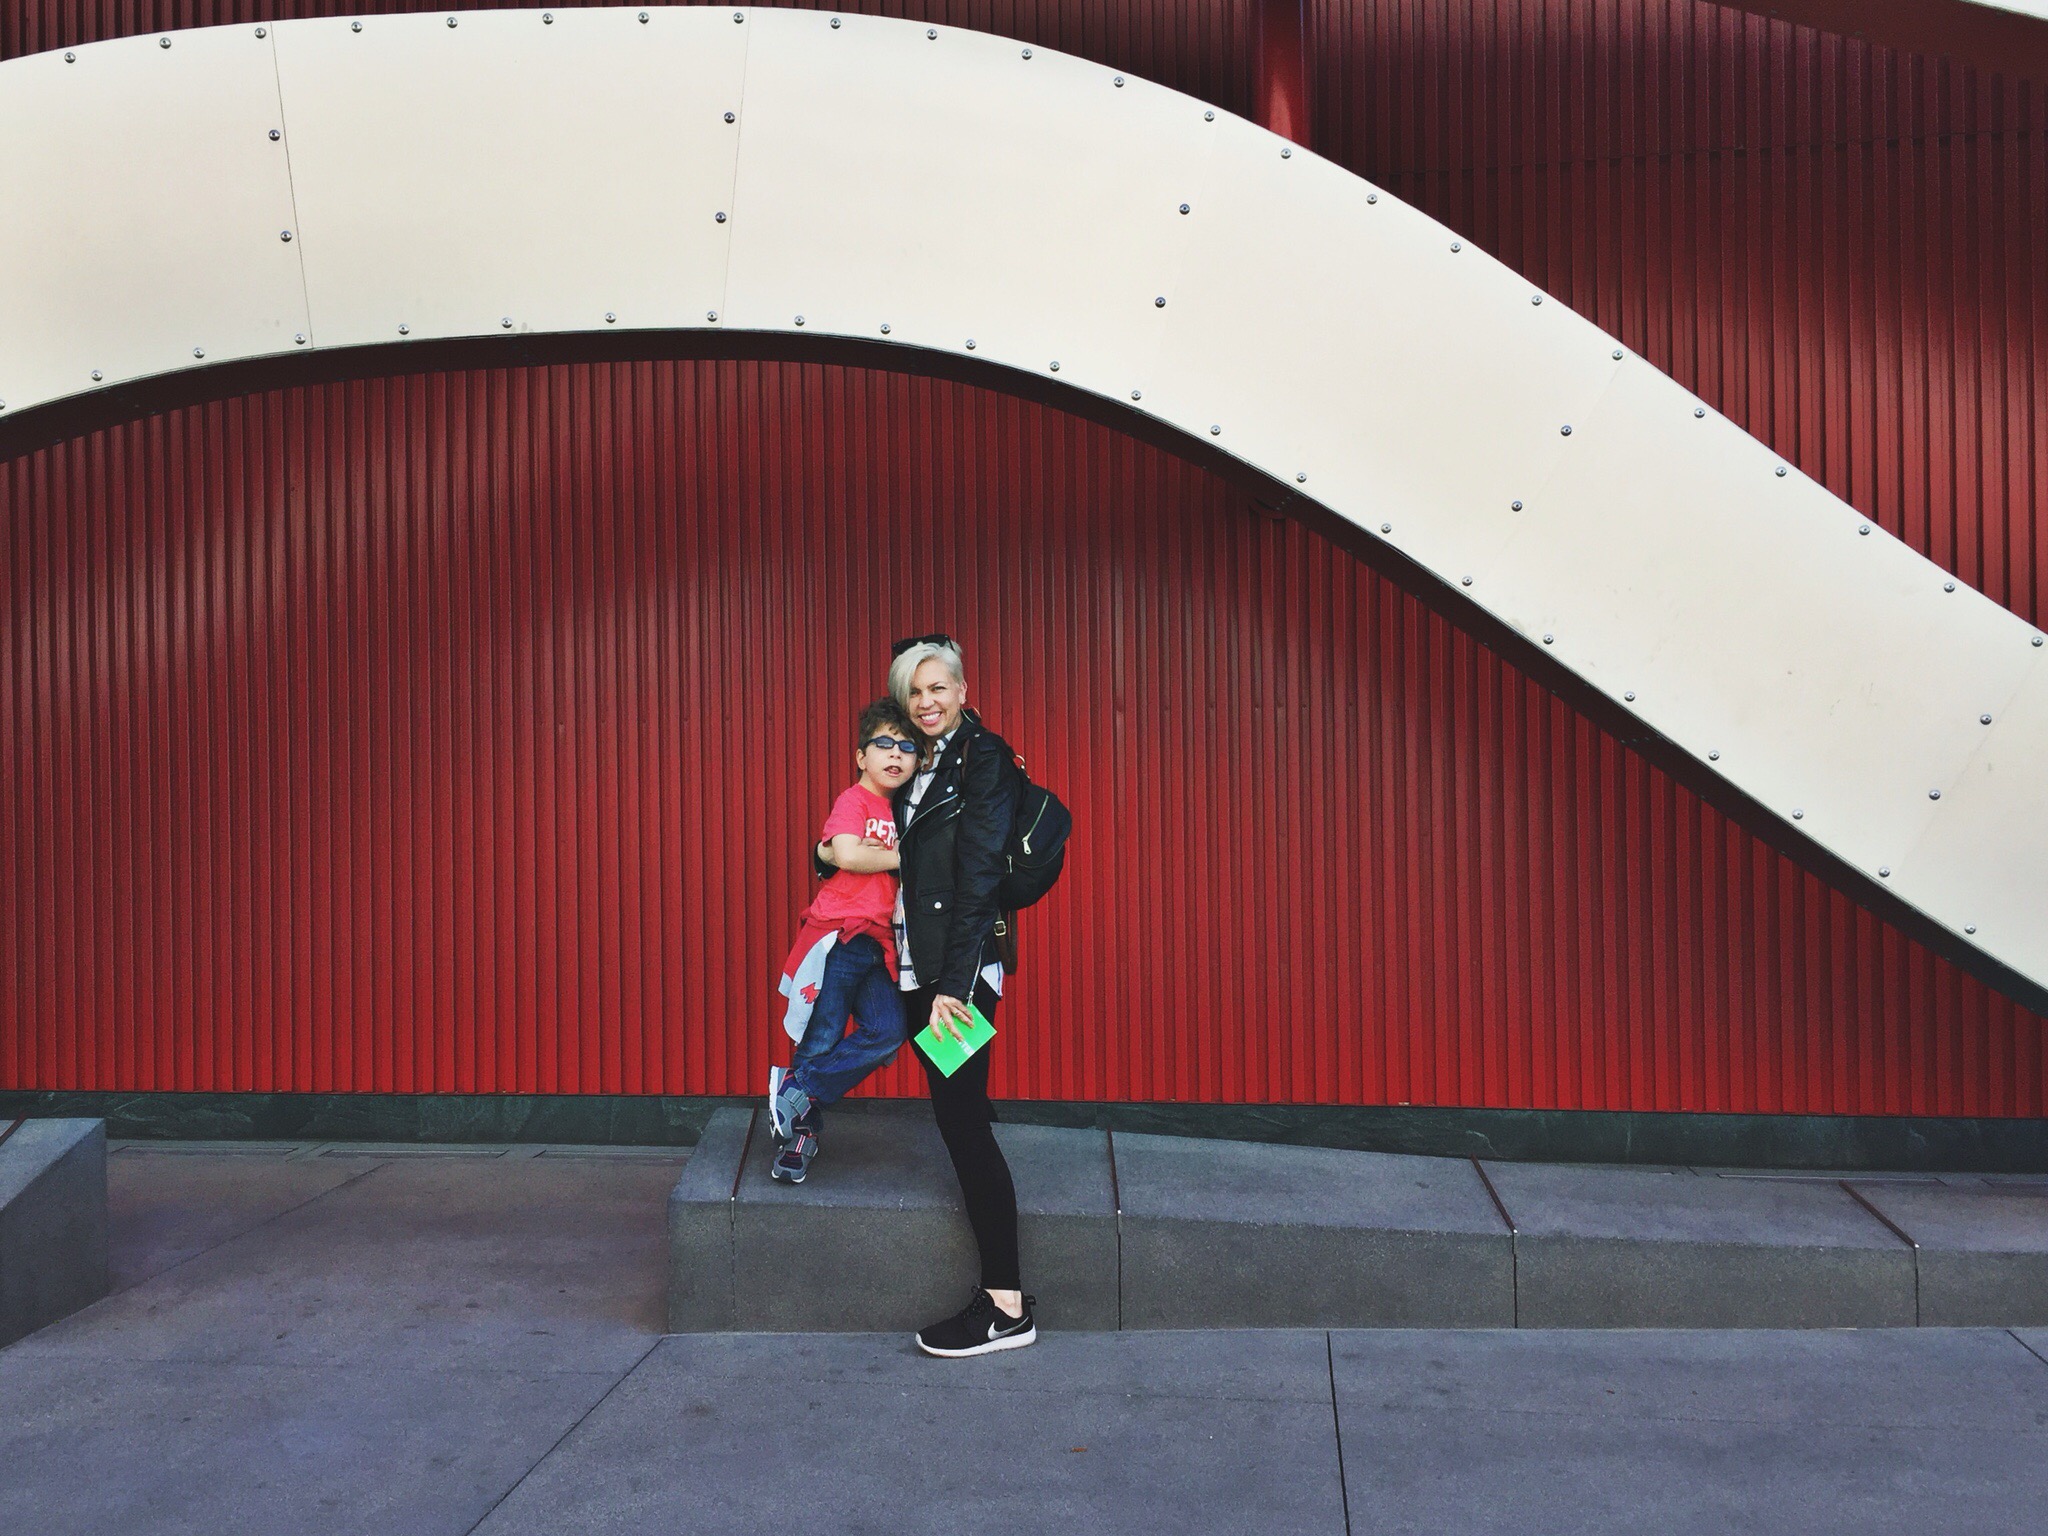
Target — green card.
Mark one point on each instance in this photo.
(948, 1054)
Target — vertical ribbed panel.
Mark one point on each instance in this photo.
(468, 732)
(465, 732)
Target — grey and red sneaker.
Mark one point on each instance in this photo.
(794, 1160)
(981, 1328)
(787, 1103)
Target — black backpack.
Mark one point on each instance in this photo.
(1037, 848)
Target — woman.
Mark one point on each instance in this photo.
(953, 820)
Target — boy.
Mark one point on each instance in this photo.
(844, 960)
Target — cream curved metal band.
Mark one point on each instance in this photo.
(309, 187)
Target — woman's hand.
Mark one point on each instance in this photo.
(949, 1013)
(825, 854)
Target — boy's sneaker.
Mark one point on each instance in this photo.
(981, 1329)
(787, 1103)
(794, 1160)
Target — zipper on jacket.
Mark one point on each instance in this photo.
(1033, 827)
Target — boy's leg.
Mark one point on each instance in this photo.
(879, 1032)
(844, 971)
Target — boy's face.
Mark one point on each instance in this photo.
(885, 767)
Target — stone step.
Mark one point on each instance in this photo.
(1143, 1231)
(53, 1221)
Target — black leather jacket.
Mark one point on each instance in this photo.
(952, 856)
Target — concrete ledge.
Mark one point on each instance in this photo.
(53, 1222)
(1631, 1248)
(1221, 1234)
(1142, 1231)
(1983, 1253)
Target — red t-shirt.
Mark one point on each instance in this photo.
(850, 902)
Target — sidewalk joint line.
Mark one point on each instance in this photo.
(2023, 1344)
(602, 1398)
(1514, 1246)
(236, 1237)
(1337, 1426)
(1896, 1231)
(1116, 1201)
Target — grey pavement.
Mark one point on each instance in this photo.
(349, 1339)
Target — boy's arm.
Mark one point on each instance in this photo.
(863, 856)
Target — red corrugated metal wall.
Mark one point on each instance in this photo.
(465, 732)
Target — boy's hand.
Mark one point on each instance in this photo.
(949, 1013)
(825, 855)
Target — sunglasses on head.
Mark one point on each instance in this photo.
(903, 645)
(891, 744)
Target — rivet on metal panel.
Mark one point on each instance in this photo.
(285, 235)
(1948, 586)
(199, 351)
(163, 42)
(275, 135)
(405, 330)
(1934, 794)
(1617, 354)
(3, 405)
(885, 327)
(711, 314)
(1215, 431)
(1027, 53)
(547, 18)
(1699, 411)
(299, 339)
(355, 26)
(1386, 527)
(2037, 639)
(1457, 246)
(1160, 302)
(451, 21)
(1797, 814)
(97, 375)
(1969, 927)
(1119, 82)
(1781, 471)
(1629, 697)
(1865, 529)
(1983, 719)
(1372, 197)
(506, 322)
(263, 32)
(970, 343)
(931, 33)
(1565, 430)
(1514, 506)
(1209, 116)
(732, 117)
(1055, 367)
(1301, 477)
(1286, 153)
(1465, 580)
(1137, 394)
(1548, 638)
(835, 23)
(611, 317)
(720, 216)
(643, 18)
(70, 58)
(1884, 871)
(1713, 757)
(1535, 298)
(1183, 207)
(799, 319)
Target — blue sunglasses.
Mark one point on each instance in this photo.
(891, 744)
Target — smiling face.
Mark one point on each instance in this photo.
(936, 698)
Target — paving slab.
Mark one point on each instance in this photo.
(1983, 1252)
(456, 1261)
(700, 1257)
(167, 1206)
(876, 1236)
(1696, 1434)
(53, 1221)
(1220, 1234)
(176, 1448)
(1176, 1434)
(1627, 1248)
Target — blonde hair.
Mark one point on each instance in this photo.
(904, 668)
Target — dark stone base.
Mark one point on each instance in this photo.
(1924, 1144)
(53, 1222)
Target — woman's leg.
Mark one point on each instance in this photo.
(961, 1105)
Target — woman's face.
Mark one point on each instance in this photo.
(936, 698)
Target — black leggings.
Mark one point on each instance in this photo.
(965, 1115)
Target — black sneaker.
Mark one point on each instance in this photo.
(981, 1329)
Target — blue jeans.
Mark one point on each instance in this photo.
(830, 1062)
